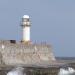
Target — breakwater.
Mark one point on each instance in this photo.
(37, 70)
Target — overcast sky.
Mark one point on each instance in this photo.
(52, 21)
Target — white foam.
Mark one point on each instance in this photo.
(16, 71)
(69, 71)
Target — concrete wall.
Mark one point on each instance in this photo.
(19, 53)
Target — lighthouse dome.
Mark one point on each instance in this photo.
(26, 16)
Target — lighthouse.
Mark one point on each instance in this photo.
(26, 28)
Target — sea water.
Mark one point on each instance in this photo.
(62, 71)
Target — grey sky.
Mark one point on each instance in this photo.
(53, 21)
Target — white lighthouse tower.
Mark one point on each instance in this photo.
(26, 28)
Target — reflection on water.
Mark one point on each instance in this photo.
(68, 71)
(17, 71)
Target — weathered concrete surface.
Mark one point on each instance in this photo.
(21, 54)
